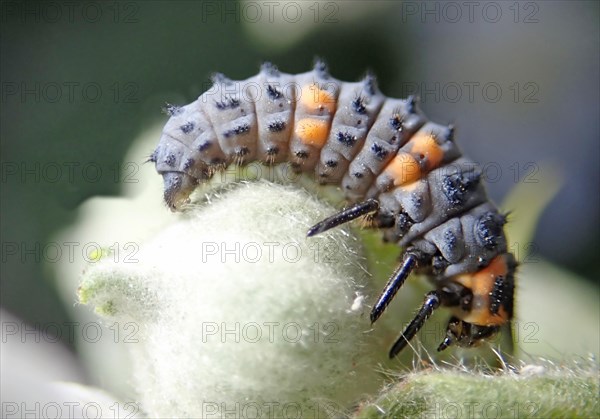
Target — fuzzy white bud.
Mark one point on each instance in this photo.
(241, 314)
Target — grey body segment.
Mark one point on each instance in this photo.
(230, 109)
(441, 135)
(176, 151)
(206, 145)
(451, 189)
(357, 108)
(305, 156)
(396, 123)
(462, 241)
(274, 94)
(449, 239)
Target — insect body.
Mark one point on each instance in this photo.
(401, 170)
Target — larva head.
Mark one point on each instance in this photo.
(178, 188)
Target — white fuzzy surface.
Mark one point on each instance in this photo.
(218, 331)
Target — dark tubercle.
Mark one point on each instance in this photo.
(204, 146)
(379, 151)
(273, 92)
(396, 122)
(187, 127)
(346, 138)
(457, 186)
(189, 163)
(239, 130)
(227, 103)
(358, 105)
(489, 229)
(276, 126)
(170, 160)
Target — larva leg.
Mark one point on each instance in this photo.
(344, 216)
(465, 334)
(432, 301)
(394, 283)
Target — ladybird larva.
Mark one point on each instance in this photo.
(405, 172)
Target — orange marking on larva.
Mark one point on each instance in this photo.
(316, 99)
(312, 131)
(403, 169)
(481, 284)
(425, 145)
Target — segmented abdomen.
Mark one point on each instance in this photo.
(347, 134)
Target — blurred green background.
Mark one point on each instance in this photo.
(81, 80)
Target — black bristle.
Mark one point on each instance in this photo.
(220, 78)
(240, 129)
(273, 92)
(396, 122)
(276, 126)
(172, 110)
(170, 160)
(358, 105)
(321, 68)
(379, 151)
(188, 164)
(370, 82)
(270, 69)
(227, 103)
(451, 132)
(412, 104)
(346, 138)
(152, 157)
(204, 146)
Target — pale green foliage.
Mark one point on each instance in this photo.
(535, 391)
